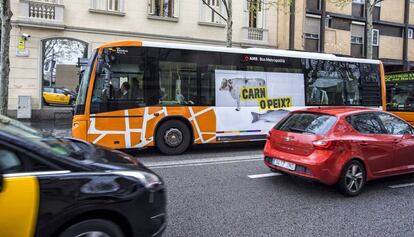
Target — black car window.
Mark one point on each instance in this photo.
(60, 91)
(313, 123)
(366, 123)
(36, 166)
(48, 89)
(10, 162)
(394, 125)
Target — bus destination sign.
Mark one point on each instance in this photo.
(404, 76)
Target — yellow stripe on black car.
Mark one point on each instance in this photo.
(19, 201)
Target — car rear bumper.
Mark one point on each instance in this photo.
(316, 172)
(321, 166)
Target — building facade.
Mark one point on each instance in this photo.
(61, 31)
(343, 30)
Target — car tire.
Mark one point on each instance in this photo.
(173, 137)
(44, 101)
(352, 179)
(99, 226)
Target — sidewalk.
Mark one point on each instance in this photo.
(61, 127)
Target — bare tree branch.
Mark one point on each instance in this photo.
(226, 6)
(214, 10)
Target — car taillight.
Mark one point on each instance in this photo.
(323, 144)
(268, 135)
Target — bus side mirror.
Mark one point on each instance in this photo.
(100, 66)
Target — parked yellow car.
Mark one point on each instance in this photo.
(57, 95)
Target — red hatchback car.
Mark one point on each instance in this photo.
(346, 146)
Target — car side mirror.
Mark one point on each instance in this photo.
(1, 180)
(100, 65)
(408, 136)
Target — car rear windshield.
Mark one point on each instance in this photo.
(312, 123)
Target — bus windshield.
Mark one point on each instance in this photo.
(83, 88)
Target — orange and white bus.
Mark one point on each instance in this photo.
(136, 94)
(400, 94)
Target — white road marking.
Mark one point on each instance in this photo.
(257, 176)
(401, 185)
(199, 162)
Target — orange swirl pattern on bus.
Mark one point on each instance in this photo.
(124, 128)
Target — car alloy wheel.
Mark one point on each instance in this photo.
(93, 234)
(354, 178)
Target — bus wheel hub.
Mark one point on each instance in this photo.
(173, 137)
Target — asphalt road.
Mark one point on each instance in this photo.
(210, 194)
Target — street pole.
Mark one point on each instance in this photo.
(406, 64)
(229, 40)
(292, 9)
(52, 66)
(5, 17)
(322, 27)
(369, 8)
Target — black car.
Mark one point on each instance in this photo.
(69, 188)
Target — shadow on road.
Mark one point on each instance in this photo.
(203, 149)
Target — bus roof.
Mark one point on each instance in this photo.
(253, 51)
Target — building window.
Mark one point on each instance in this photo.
(313, 5)
(207, 13)
(358, 8)
(328, 22)
(107, 5)
(163, 8)
(357, 40)
(410, 33)
(311, 34)
(375, 37)
(59, 60)
(255, 9)
(376, 14)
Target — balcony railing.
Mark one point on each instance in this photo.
(255, 35)
(43, 13)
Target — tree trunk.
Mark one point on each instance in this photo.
(229, 25)
(369, 4)
(5, 17)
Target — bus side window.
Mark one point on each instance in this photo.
(178, 83)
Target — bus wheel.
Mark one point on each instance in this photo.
(173, 137)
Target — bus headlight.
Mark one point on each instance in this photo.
(149, 180)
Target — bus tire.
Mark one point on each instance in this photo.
(173, 137)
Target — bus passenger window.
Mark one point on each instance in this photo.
(332, 82)
(178, 83)
(208, 83)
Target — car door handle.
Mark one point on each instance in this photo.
(363, 143)
(397, 140)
